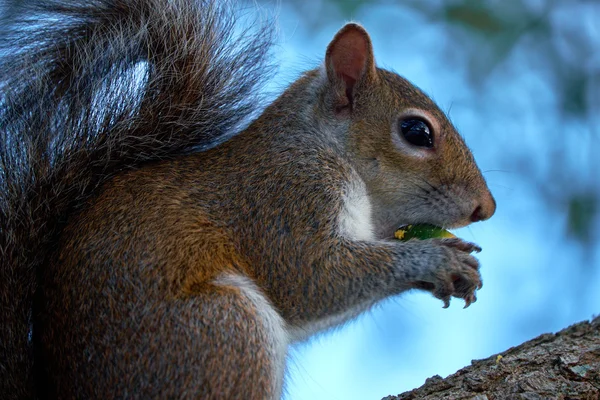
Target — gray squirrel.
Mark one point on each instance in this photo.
(148, 252)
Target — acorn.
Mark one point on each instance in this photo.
(421, 231)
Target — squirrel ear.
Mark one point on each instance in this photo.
(350, 58)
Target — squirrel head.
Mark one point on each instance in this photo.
(416, 166)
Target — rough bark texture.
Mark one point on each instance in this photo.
(564, 366)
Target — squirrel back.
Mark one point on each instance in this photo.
(91, 88)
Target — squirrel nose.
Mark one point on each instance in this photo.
(485, 209)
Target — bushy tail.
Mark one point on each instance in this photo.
(89, 88)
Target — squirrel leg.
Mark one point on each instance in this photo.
(220, 341)
(240, 339)
(254, 337)
(230, 343)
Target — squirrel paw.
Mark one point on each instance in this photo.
(457, 273)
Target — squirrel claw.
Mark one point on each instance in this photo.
(470, 300)
(446, 302)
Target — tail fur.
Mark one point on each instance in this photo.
(89, 88)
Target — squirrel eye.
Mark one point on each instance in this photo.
(416, 132)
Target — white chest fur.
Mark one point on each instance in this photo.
(355, 222)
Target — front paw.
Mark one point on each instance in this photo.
(451, 271)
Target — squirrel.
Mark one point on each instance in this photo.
(152, 247)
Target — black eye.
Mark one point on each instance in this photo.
(416, 132)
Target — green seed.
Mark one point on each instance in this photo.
(421, 231)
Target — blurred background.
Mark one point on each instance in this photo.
(520, 79)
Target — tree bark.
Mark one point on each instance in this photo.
(563, 366)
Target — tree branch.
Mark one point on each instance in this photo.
(564, 366)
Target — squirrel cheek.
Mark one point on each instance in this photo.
(371, 169)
